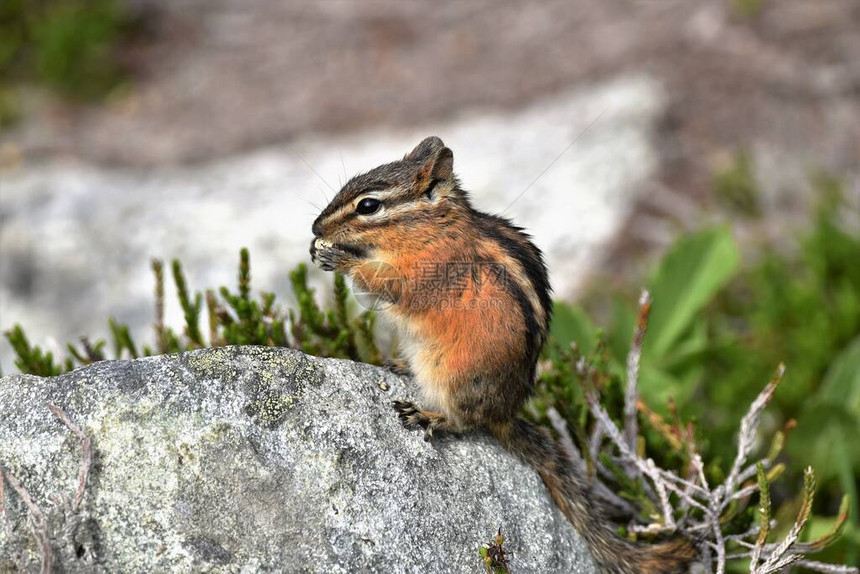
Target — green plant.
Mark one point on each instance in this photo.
(718, 327)
(748, 8)
(801, 305)
(72, 47)
(74, 44)
(9, 107)
(493, 555)
(234, 318)
(736, 186)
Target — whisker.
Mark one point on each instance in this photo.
(310, 167)
(343, 164)
(322, 191)
(312, 204)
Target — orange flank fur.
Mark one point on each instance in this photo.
(452, 332)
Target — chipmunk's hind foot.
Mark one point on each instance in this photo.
(414, 418)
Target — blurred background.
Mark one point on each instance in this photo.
(710, 149)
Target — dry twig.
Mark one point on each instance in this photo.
(631, 393)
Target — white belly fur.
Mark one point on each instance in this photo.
(417, 354)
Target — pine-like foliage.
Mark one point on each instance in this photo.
(232, 317)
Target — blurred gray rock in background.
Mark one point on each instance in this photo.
(199, 154)
(251, 459)
(76, 239)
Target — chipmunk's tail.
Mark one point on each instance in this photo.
(568, 488)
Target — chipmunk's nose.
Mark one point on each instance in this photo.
(317, 228)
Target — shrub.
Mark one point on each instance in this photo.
(232, 318)
(71, 47)
(719, 328)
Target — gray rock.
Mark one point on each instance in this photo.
(246, 459)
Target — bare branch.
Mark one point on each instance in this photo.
(646, 467)
(35, 511)
(689, 485)
(596, 440)
(42, 525)
(751, 470)
(652, 529)
(719, 542)
(744, 492)
(606, 495)
(631, 393)
(660, 486)
(749, 427)
(742, 537)
(560, 426)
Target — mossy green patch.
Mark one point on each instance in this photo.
(270, 408)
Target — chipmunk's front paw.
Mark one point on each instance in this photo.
(325, 255)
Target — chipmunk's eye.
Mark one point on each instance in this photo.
(367, 206)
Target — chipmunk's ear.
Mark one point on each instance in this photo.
(437, 165)
(425, 149)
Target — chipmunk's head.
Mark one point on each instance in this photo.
(389, 208)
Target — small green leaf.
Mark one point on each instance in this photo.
(570, 324)
(841, 385)
(693, 271)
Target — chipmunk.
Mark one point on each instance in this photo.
(469, 295)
